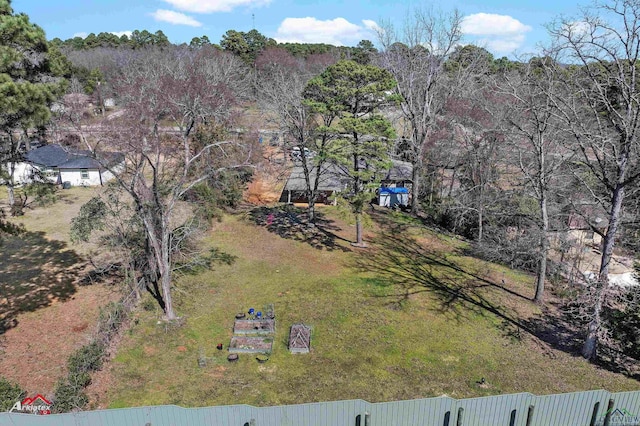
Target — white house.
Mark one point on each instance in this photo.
(59, 165)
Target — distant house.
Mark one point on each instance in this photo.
(400, 175)
(334, 179)
(58, 164)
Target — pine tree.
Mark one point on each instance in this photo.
(28, 85)
(354, 93)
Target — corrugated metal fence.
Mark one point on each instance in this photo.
(524, 409)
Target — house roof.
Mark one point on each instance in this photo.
(331, 179)
(48, 155)
(399, 171)
(56, 156)
(335, 178)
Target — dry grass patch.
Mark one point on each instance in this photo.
(44, 313)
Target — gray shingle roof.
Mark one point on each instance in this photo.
(333, 178)
(56, 156)
(400, 170)
(48, 156)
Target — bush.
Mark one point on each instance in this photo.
(86, 359)
(79, 380)
(111, 318)
(69, 397)
(10, 393)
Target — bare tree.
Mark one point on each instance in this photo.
(479, 148)
(162, 165)
(416, 56)
(603, 115)
(283, 79)
(538, 142)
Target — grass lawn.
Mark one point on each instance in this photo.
(409, 317)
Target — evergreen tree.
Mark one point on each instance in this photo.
(353, 93)
(28, 84)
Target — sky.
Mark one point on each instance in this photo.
(504, 27)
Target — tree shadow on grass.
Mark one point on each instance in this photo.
(290, 223)
(34, 272)
(403, 267)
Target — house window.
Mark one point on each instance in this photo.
(84, 174)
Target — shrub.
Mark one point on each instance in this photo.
(9, 394)
(69, 397)
(86, 359)
(111, 318)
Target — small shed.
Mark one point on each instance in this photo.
(389, 197)
(300, 339)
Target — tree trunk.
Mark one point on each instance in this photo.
(10, 188)
(544, 251)
(312, 212)
(415, 186)
(480, 214)
(359, 238)
(165, 270)
(591, 341)
(11, 194)
(357, 205)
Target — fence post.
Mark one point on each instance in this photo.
(607, 418)
(530, 415)
(594, 415)
(459, 419)
(447, 418)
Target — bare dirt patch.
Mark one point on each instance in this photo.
(45, 314)
(35, 351)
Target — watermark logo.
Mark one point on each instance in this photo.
(620, 417)
(36, 405)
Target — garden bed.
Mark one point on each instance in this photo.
(251, 344)
(264, 326)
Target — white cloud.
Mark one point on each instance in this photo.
(210, 6)
(175, 18)
(121, 33)
(501, 45)
(336, 31)
(81, 34)
(579, 27)
(499, 33)
(371, 25)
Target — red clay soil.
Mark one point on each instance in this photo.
(34, 353)
(270, 177)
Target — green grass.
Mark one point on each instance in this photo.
(386, 326)
(54, 220)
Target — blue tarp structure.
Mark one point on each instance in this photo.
(391, 196)
(394, 191)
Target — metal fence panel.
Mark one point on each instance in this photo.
(493, 410)
(573, 409)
